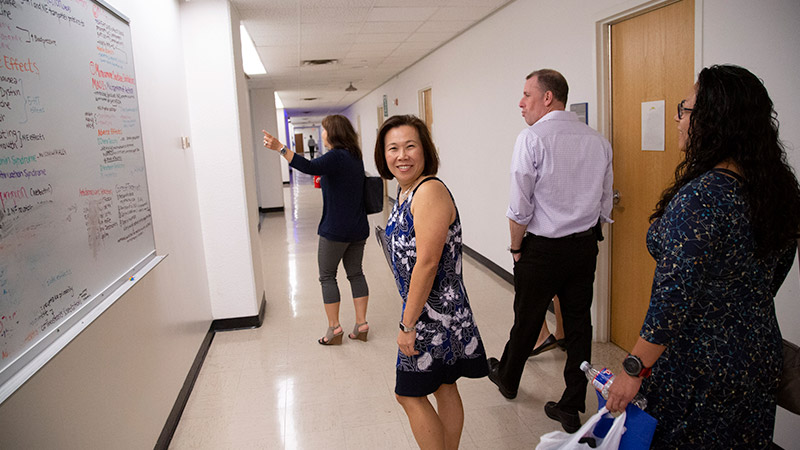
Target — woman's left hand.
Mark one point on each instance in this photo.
(271, 142)
(405, 341)
(622, 392)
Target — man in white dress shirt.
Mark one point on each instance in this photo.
(561, 180)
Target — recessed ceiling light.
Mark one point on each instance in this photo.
(319, 62)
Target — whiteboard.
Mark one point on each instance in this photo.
(75, 221)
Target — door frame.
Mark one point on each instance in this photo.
(601, 307)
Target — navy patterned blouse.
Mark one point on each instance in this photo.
(712, 307)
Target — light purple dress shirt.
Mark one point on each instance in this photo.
(561, 177)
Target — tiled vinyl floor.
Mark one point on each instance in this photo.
(275, 388)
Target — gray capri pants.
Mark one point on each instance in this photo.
(329, 254)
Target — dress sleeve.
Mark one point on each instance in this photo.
(690, 234)
(324, 165)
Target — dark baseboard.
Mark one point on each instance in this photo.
(183, 396)
(269, 210)
(188, 384)
(240, 323)
(486, 262)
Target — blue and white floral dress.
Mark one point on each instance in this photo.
(448, 340)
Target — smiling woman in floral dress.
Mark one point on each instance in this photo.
(438, 340)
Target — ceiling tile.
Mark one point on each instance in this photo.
(242, 5)
(390, 27)
(473, 13)
(329, 52)
(386, 47)
(332, 3)
(381, 38)
(333, 15)
(280, 16)
(368, 61)
(436, 26)
(407, 3)
(429, 37)
(417, 46)
(494, 4)
(322, 39)
(330, 29)
(373, 40)
(400, 14)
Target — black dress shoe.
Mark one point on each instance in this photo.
(495, 378)
(548, 344)
(569, 421)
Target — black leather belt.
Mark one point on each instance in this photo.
(582, 234)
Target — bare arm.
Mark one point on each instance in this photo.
(433, 212)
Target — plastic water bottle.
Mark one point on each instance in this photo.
(602, 380)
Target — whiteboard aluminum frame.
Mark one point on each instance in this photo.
(35, 357)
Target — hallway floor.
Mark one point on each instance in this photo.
(275, 388)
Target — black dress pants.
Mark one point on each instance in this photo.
(549, 267)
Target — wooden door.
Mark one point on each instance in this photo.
(426, 108)
(652, 58)
(298, 143)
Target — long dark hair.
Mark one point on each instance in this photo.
(428, 149)
(733, 119)
(341, 134)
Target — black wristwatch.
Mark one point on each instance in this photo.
(405, 328)
(282, 151)
(514, 251)
(634, 367)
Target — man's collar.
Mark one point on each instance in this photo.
(558, 114)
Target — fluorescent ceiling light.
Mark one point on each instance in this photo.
(250, 61)
(278, 102)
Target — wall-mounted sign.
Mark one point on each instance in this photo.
(653, 126)
(582, 110)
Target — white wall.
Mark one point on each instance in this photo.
(268, 163)
(225, 165)
(115, 384)
(477, 80)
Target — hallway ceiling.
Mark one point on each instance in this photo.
(371, 41)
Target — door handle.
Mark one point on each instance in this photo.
(616, 197)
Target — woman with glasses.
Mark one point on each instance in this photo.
(724, 237)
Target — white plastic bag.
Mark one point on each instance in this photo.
(559, 440)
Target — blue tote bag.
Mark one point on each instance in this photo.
(639, 427)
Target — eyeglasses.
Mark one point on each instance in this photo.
(682, 110)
